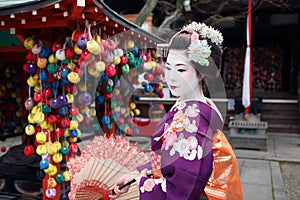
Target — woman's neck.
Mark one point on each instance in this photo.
(194, 95)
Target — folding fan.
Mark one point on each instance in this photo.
(100, 164)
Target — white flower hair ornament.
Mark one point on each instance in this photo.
(199, 50)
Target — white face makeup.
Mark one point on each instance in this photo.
(181, 76)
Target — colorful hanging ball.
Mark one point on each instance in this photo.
(29, 103)
(66, 175)
(129, 131)
(63, 111)
(130, 44)
(137, 112)
(120, 120)
(116, 60)
(105, 120)
(64, 72)
(146, 57)
(109, 126)
(3, 149)
(60, 54)
(62, 100)
(52, 171)
(44, 164)
(100, 66)
(52, 182)
(81, 42)
(118, 52)
(46, 109)
(56, 46)
(123, 60)
(47, 92)
(85, 98)
(60, 178)
(52, 68)
(31, 57)
(28, 43)
(74, 111)
(31, 68)
(73, 148)
(73, 77)
(108, 88)
(29, 130)
(41, 150)
(64, 150)
(149, 77)
(57, 157)
(73, 133)
(148, 88)
(65, 123)
(54, 103)
(136, 131)
(161, 106)
(135, 51)
(51, 149)
(28, 150)
(51, 118)
(41, 137)
(161, 94)
(45, 52)
(125, 68)
(110, 71)
(40, 174)
(100, 99)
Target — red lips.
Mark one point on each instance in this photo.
(173, 87)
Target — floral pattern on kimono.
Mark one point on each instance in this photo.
(183, 138)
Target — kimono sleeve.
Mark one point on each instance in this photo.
(177, 182)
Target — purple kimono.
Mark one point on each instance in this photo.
(183, 138)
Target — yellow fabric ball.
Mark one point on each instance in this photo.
(41, 149)
(41, 137)
(29, 130)
(57, 157)
(66, 175)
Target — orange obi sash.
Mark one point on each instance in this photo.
(224, 182)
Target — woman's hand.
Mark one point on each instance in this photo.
(125, 179)
(121, 181)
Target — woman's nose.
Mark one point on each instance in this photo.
(173, 75)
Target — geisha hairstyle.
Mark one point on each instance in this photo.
(203, 45)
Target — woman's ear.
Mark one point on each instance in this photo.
(200, 77)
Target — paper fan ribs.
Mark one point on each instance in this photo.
(100, 164)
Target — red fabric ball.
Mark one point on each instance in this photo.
(73, 148)
(3, 149)
(28, 150)
(124, 60)
(110, 71)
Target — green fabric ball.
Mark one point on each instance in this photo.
(52, 68)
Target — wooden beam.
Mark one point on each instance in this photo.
(76, 11)
(13, 49)
(35, 24)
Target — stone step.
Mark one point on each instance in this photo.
(279, 106)
(284, 112)
(281, 119)
(283, 128)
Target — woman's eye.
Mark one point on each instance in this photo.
(181, 70)
(168, 68)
